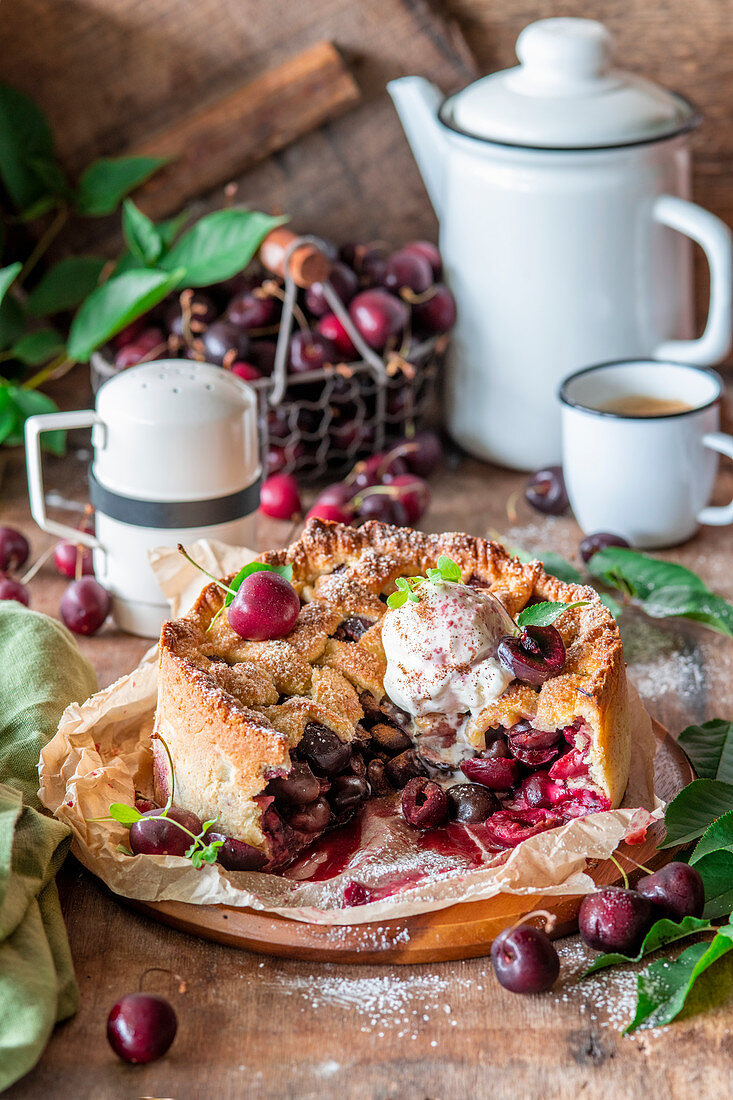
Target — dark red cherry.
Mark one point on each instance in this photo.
(545, 491)
(330, 511)
(344, 282)
(676, 889)
(311, 351)
(65, 557)
(437, 314)
(428, 251)
(265, 606)
(382, 507)
(280, 498)
(235, 855)
(262, 355)
(471, 803)
(423, 453)
(297, 787)
(14, 549)
(498, 775)
(146, 345)
(330, 327)
(536, 655)
(85, 605)
(511, 827)
(525, 960)
(424, 803)
(159, 834)
(614, 919)
(407, 269)
(200, 312)
(250, 311)
(141, 1027)
(414, 495)
(324, 750)
(245, 371)
(12, 589)
(378, 316)
(224, 338)
(313, 818)
(591, 544)
(347, 793)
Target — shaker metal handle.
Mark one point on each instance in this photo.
(718, 516)
(716, 241)
(35, 426)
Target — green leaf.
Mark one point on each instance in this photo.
(9, 414)
(703, 607)
(29, 403)
(25, 140)
(37, 347)
(141, 236)
(285, 571)
(449, 570)
(613, 605)
(397, 599)
(544, 614)
(640, 575)
(664, 986)
(694, 809)
(106, 182)
(710, 748)
(113, 305)
(716, 870)
(12, 321)
(661, 933)
(168, 230)
(7, 276)
(717, 836)
(218, 246)
(53, 179)
(65, 285)
(126, 815)
(558, 567)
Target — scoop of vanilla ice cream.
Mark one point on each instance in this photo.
(441, 649)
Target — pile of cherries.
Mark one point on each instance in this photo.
(611, 919)
(85, 603)
(396, 301)
(389, 486)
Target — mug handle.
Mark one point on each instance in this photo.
(716, 241)
(718, 516)
(35, 426)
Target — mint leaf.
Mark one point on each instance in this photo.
(719, 835)
(218, 246)
(710, 748)
(28, 403)
(661, 933)
(285, 571)
(126, 815)
(664, 986)
(106, 182)
(25, 141)
(7, 276)
(65, 285)
(543, 614)
(37, 347)
(397, 599)
(141, 236)
(640, 575)
(449, 570)
(113, 305)
(694, 809)
(716, 870)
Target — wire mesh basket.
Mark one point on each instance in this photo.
(319, 423)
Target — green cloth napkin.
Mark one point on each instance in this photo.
(41, 671)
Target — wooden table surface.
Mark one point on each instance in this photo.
(251, 1026)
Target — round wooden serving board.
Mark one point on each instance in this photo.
(458, 932)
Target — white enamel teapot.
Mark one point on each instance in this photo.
(561, 187)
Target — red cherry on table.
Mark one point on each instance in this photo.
(280, 498)
(265, 606)
(331, 511)
(14, 548)
(85, 605)
(141, 1027)
(65, 557)
(414, 495)
(12, 589)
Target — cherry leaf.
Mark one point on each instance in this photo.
(694, 809)
(710, 748)
(126, 815)
(544, 614)
(661, 933)
(285, 571)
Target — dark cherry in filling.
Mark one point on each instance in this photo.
(323, 749)
(352, 628)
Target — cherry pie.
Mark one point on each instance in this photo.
(281, 740)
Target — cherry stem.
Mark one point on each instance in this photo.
(409, 295)
(169, 803)
(374, 491)
(624, 876)
(550, 919)
(37, 565)
(639, 865)
(162, 970)
(224, 587)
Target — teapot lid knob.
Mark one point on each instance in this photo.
(563, 53)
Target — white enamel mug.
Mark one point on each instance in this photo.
(647, 478)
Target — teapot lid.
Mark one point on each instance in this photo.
(566, 94)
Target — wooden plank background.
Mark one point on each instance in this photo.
(111, 72)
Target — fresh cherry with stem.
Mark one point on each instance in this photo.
(14, 549)
(676, 889)
(141, 1027)
(545, 491)
(524, 958)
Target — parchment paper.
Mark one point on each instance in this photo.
(102, 754)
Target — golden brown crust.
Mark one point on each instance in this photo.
(212, 711)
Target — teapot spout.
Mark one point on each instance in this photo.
(417, 102)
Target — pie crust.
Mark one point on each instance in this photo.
(231, 711)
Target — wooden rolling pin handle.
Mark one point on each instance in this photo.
(307, 264)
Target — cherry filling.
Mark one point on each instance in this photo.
(352, 628)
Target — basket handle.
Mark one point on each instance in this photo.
(305, 262)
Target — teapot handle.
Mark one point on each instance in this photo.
(716, 241)
(35, 426)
